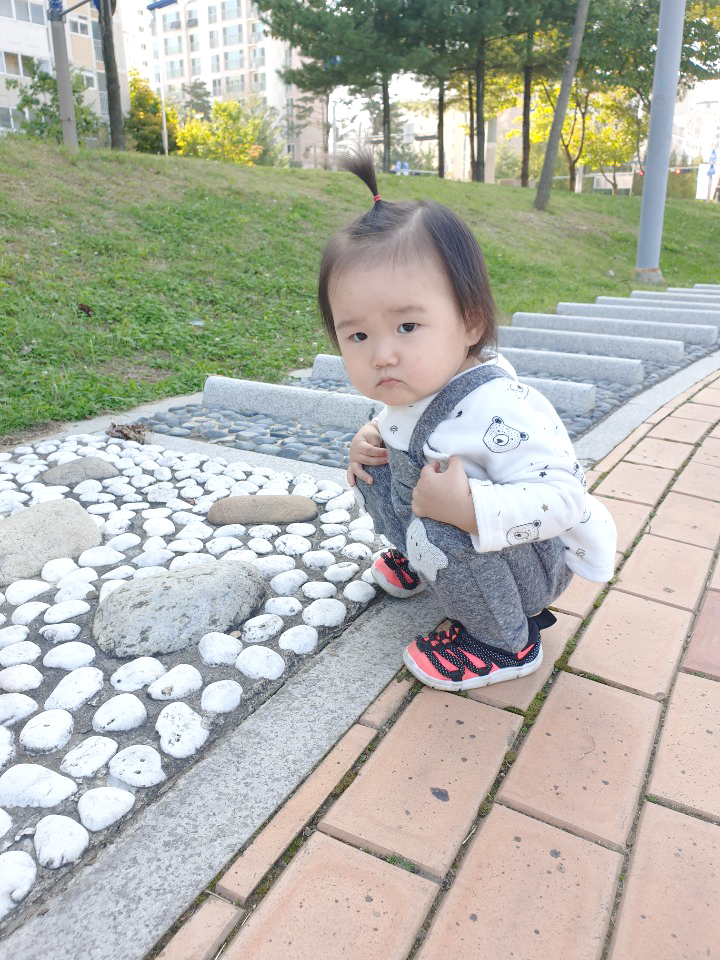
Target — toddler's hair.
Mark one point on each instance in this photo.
(400, 233)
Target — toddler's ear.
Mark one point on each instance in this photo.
(475, 329)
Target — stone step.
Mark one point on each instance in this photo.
(549, 363)
(598, 344)
(707, 286)
(707, 313)
(564, 395)
(688, 297)
(688, 333)
(629, 311)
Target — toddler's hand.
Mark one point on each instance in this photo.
(366, 449)
(445, 496)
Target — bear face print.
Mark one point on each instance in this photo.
(500, 438)
(519, 389)
(422, 553)
(523, 533)
(580, 474)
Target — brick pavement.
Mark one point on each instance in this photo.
(573, 814)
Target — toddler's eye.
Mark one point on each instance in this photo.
(358, 337)
(407, 327)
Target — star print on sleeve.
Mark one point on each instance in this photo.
(542, 472)
(545, 508)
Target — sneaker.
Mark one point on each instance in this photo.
(453, 660)
(392, 571)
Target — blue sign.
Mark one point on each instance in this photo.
(711, 170)
(158, 4)
(713, 157)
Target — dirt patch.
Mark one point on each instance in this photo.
(129, 368)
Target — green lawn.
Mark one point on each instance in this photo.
(193, 267)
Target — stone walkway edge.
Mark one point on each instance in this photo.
(356, 818)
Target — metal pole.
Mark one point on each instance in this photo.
(62, 76)
(162, 86)
(662, 108)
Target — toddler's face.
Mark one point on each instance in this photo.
(400, 331)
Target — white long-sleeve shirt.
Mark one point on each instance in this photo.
(525, 481)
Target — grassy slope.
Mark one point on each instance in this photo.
(152, 244)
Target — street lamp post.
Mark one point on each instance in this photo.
(158, 5)
(62, 73)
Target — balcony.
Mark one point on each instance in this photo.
(104, 104)
(98, 50)
(192, 22)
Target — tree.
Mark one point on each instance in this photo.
(106, 9)
(196, 99)
(231, 133)
(613, 133)
(574, 129)
(39, 101)
(144, 122)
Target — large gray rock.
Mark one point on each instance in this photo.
(280, 508)
(44, 532)
(75, 471)
(172, 611)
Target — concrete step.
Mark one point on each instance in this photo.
(598, 344)
(629, 311)
(707, 286)
(568, 396)
(615, 369)
(688, 333)
(710, 308)
(676, 294)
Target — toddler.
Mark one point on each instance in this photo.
(468, 473)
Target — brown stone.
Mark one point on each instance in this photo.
(75, 471)
(283, 508)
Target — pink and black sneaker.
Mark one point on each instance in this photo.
(392, 571)
(453, 660)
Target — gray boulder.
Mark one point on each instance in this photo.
(75, 471)
(279, 508)
(47, 531)
(172, 611)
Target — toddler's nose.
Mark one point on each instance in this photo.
(385, 354)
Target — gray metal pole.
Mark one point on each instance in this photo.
(62, 77)
(662, 108)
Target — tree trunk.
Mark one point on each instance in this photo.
(543, 191)
(326, 131)
(117, 130)
(480, 113)
(386, 124)
(441, 129)
(527, 93)
(471, 102)
(572, 171)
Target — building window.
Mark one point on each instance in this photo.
(17, 65)
(231, 9)
(258, 32)
(77, 26)
(171, 21)
(10, 118)
(192, 18)
(212, 14)
(24, 11)
(215, 63)
(258, 57)
(234, 60)
(217, 87)
(89, 78)
(289, 105)
(258, 82)
(214, 40)
(194, 42)
(6, 10)
(195, 66)
(254, 10)
(235, 85)
(232, 35)
(157, 76)
(173, 45)
(175, 69)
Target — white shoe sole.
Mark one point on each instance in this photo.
(390, 588)
(498, 676)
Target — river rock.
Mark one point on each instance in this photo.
(75, 689)
(173, 610)
(24, 652)
(123, 712)
(137, 766)
(223, 696)
(83, 468)
(325, 613)
(260, 663)
(30, 785)
(23, 590)
(217, 649)
(137, 674)
(177, 683)
(21, 678)
(47, 732)
(300, 639)
(69, 656)
(7, 746)
(47, 531)
(10, 635)
(359, 592)
(59, 841)
(15, 707)
(181, 730)
(104, 806)
(17, 876)
(88, 757)
(273, 508)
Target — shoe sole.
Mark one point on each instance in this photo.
(497, 676)
(394, 591)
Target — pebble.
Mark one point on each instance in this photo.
(24, 652)
(260, 546)
(75, 689)
(177, 683)
(292, 544)
(341, 572)
(17, 876)
(27, 612)
(15, 707)
(283, 606)
(103, 806)
(189, 560)
(223, 696)
(333, 529)
(123, 572)
(318, 559)
(269, 567)
(195, 531)
(264, 530)
(123, 712)
(59, 841)
(76, 591)
(159, 527)
(193, 545)
(362, 523)
(21, 678)
(100, 557)
(137, 674)
(137, 766)
(88, 757)
(335, 516)
(357, 551)
(300, 639)
(319, 590)
(153, 558)
(234, 530)
(218, 649)
(301, 529)
(325, 613)
(333, 543)
(181, 730)
(84, 575)
(66, 611)
(7, 746)
(47, 731)
(61, 632)
(23, 590)
(11, 635)
(286, 584)
(69, 656)
(5, 823)
(31, 785)
(359, 592)
(262, 628)
(125, 541)
(260, 663)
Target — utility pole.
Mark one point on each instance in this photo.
(62, 74)
(106, 8)
(662, 108)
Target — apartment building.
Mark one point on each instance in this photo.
(25, 35)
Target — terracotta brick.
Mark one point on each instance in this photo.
(521, 693)
(380, 711)
(667, 571)
(704, 412)
(418, 794)
(708, 452)
(526, 889)
(633, 481)
(669, 907)
(680, 429)
(709, 396)
(334, 901)
(630, 519)
(617, 454)
(592, 477)
(251, 866)
(699, 480)
(703, 653)
(634, 643)
(715, 581)
(579, 597)
(204, 933)
(687, 765)
(662, 413)
(660, 453)
(687, 519)
(584, 760)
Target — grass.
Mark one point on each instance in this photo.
(194, 268)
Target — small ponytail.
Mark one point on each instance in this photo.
(361, 163)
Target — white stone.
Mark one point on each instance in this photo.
(76, 591)
(229, 530)
(357, 551)
(10, 635)
(80, 575)
(292, 544)
(300, 639)
(189, 560)
(152, 558)
(27, 612)
(341, 572)
(154, 543)
(17, 876)
(333, 543)
(24, 652)
(137, 674)
(182, 732)
(69, 656)
(66, 611)
(333, 529)
(286, 584)
(264, 531)
(23, 590)
(319, 590)
(88, 757)
(5, 823)
(262, 628)
(59, 841)
(117, 523)
(283, 606)
(362, 523)
(159, 527)
(100, 557)
(330, 485)
(123, 712)
(195, 531)
(30, 785)
(260, 663)
(318, 559)
(223, 696)
(335, 516)
(363, 536)
(75, 689)
(20, 678)
(103, 806)
(61, 632)
(156, 512)
(124, 541)
(110, 587)
(269, 567)
(219, 546)
(325, 613)
(260, 545)
(47, 731)
(137, 766)
(359, 592)
(217, 649)
(7, 746)
(143, 573)
(122, 572)
(345, 501)
(97, 510)
(304, 490)
(177, 683)
(15, 707)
